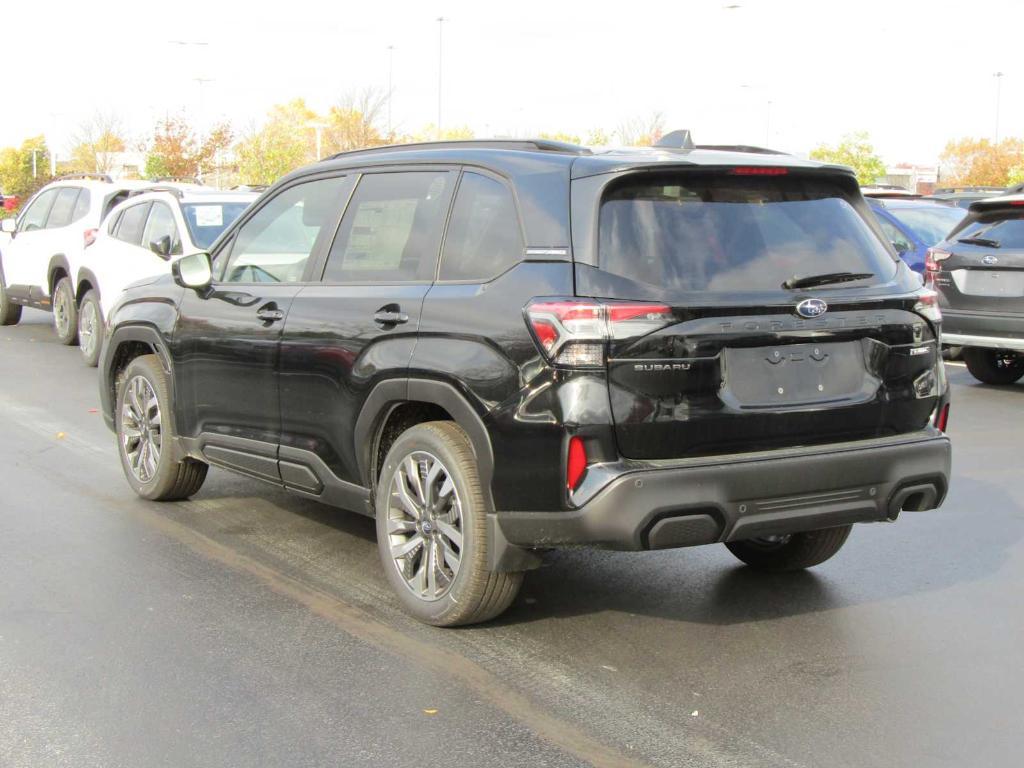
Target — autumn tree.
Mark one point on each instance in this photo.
(856, 151)
(568, 138)
(95, 143)
(598, 137)
(175, 150)
(16, 166)
(429, 133)
(980, 162)
(284, 142)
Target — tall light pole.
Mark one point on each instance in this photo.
(391, 71)
(440, 47)
(999, 90)
(318, 127)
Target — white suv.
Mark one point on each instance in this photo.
(139, 239)
(41, 249)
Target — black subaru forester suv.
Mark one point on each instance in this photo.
(497, 348)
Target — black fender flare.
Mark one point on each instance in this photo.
(386, 395)
(57, 261)
(109, 356)
(86, 275)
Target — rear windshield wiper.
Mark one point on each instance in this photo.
(809, 281)
(985, 241)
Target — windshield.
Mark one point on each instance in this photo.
(1009, 233)
(207, 220)
(713, 232)
(929, 224)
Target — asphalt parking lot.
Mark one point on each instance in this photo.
(250, 627)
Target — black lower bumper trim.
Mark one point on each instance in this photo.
(739, 499)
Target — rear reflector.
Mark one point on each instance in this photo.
(576, 464)
(1017, 202)
(89, 236)
(758, 170)
(942, 418)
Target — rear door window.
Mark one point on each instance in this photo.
(483, 238)
(132, 223)
(81, 205)
(63, 207)
(391, 231)
(711, 232)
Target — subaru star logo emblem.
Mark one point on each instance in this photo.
(989, 260)
(811, 308)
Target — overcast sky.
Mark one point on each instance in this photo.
(913, 74)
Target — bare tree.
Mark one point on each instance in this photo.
(354, 121)
(96, 141)
(642, 131)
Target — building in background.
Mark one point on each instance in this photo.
(921, 179)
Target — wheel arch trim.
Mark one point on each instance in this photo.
(125, 334)
(386, 395)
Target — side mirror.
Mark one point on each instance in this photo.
(193, 271)
(9, 225)
(161, 246)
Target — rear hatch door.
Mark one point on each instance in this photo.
(740, 362)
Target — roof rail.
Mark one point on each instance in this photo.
(523, 145)
(742, 148)
(156, 188)
(177, 180)
(96, 176)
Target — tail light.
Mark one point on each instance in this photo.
(942, 418)
(933, 257)
(576, 463)
(89, 236)
(758, 170)
(575, 332)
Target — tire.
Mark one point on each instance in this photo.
(90, 329)
(65, 312)
(459, 593)
(994, 366)
(10, 313)
(144, 423)
(793, 552)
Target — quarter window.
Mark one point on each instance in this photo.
(63, 206)
(133, 221)
(483, 237)
(36, 213)
(275, 244)
(391, 231)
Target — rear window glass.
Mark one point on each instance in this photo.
(207, 220)
(710, 232)
(930, 223)
(1008, 233)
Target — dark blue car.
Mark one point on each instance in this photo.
(914, 224)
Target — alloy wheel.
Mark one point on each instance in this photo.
(88, 327)
(141, 432)
(424, 525)
(62, 312)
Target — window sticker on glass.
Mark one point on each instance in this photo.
(209, 216)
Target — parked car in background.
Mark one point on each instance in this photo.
(913, 224)
(41, 249)
(10, 202)
(962, 197)
(978, 272)
(717, 345)
(140, 238)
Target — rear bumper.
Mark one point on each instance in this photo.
(742, 497)
(994, 330)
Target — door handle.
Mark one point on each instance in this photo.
(390, 317)
(269, 313)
